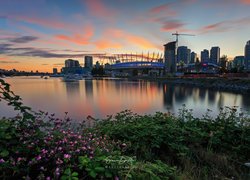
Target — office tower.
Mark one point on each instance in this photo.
(247, 56)
(88, 62)
(188, 56)
(193, 57)
(169, 56)
(182, 54)
(205, 56)
(238, 61)
(54, 70)
(215, 55)
(69, 63)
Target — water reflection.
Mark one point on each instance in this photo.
(72, 89)
(102, 97)
(89, 88)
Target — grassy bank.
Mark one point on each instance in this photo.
(37, 145)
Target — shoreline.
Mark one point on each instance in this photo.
(238, 85)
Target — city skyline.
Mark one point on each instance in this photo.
(40, 35)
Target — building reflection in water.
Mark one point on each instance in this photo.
(89, 88)
(72, 89)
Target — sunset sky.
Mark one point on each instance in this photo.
(41, 34)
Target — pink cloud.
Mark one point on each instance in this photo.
(99, 9)
(245, 2)
(164, 8)
(50, 23)
(171, 25)
(224, 26)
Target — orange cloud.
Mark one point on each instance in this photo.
(245, 2)
(105, 44)
(81, 39)
(129, 38)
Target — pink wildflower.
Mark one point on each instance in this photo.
(66, 156)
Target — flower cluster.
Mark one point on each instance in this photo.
(47, 146)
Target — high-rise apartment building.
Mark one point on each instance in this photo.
(182, 54)
(69, 63)
(193, 57)
(169, 56)
(215, 55)
(247, 56)
(205, 56)
(88, 62)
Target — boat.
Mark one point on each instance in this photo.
(2, 76)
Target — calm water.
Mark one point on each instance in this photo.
(100, 98)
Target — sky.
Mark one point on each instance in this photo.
(42, 34)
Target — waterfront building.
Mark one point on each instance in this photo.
(188, 56)
(54, 70)
(72, 67)
(193, 57)
(204, 56)
(238, 62)
(182, 54)
(70, 63)
(97, 65)
(169, 57)
(88, 62)
(215, 55)
(247, 56)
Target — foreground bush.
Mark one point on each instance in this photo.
(35, 145)
(203, 148)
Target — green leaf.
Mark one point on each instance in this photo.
(75, 174)
(93, 174)
(64, 178)
(108, 174)
(67, 171)
(99, 169)
(4, 153)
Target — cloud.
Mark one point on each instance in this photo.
(44, 64)
(48, 22)
(225, 26)
(128, 38)
(81, 39)
(5, 48)
(171, 25)
(107, 44)
(247, 2)
(163, 9)
(7, 60)
(215, 27)
(9, 49)
(23, 39)
(99, 9)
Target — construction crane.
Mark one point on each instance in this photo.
(177, 35)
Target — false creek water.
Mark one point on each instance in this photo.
(103, 97)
